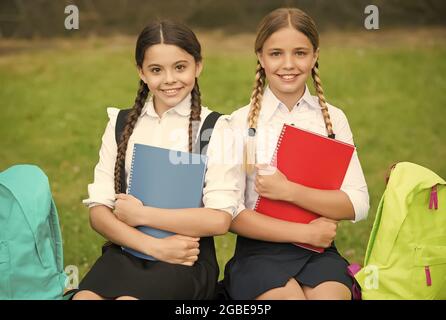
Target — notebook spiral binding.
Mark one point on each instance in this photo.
(131, 169)
(274, 158)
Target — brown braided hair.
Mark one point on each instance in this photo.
(132, 118)
(165, 32)
(194, 118)
(274, 21)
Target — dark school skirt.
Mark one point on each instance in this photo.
(259, 266)
(118, 273)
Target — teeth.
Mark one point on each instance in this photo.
(171, 91)
(288, 77)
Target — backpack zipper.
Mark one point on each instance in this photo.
(427, 271)
(433, 201)
(428, 276)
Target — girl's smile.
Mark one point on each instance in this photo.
(287, 57)
(171, 92)
(289, 77)
(170, 74)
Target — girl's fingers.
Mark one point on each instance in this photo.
(121, 196)
(193, 244)
(258, 181)
(192, 258)
(194, 252)
(331, 220)
(326, 220)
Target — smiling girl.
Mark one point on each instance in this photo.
(266, 265)
(167, 113)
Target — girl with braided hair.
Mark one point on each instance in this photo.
(167, 113)
(266, 263)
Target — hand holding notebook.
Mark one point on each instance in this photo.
(309, 159)
(164, 178)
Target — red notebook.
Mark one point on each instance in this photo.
(309, 159)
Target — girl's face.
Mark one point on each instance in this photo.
(170, 73)
(287, 57)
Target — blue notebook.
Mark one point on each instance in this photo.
(164, 178)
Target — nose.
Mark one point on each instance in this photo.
(170, 78)
(288, 63)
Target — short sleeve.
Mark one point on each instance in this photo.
(102, 191)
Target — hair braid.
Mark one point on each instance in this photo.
(195, 116)
(253, 117)
(132, 118)
(322, 102)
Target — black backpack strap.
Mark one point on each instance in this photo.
(205, 135)
(206, 131)
(121, 120)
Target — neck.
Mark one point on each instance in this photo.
(160, 108)
(289, 99)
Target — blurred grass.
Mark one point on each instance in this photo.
(53, 114)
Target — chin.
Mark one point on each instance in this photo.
(172, 102)
(288, 90)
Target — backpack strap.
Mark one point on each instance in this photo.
(206, 131)
(201, 144)
(121, 120)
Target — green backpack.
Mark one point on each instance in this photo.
(406, 253)
(31, 256)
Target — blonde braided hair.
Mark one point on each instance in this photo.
(253, 116)
(322, 102)
(274, 21)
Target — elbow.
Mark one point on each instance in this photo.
(221, 224)
(93, 218)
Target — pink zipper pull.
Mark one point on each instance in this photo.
(428, 276)
(433, 201)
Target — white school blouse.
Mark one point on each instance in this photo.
(307, 115)
(169, 131)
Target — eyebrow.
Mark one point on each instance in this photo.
(158, 65)
(298, 48)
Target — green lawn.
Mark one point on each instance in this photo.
(53, 114)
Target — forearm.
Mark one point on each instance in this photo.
(104, 222)
(254, 225)
(193, 222)
(333, 204)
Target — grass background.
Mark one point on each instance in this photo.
(53, 95)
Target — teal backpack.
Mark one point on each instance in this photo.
(31, 256)
(406, 253)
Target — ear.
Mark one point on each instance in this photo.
(142, 75)
(315, 57)
(260, 58)
(198, 68)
